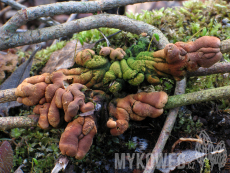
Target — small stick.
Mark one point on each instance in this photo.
(186, 140)
(22, 121)
(166, 131)
(7, 95)
(107, 41)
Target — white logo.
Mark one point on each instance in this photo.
(207, 147)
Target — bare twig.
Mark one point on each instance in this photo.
(9, 37)
(166, 131)
(47, 20)
(216, 68)
(71, 17)
(8, 8)
(14, 4)
(197, 97)
(198, 139)
(107, 41)
(7, 95)
(108, 36)
(22, 121)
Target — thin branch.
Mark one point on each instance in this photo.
(8, 8)
(108, 36)
(16, 5)
(225, 46)
(166, 131)
(7, 95)
(216, 68)
(71, 17)
(197, 97)
(107, 41)
(17, 122)
(9, 37)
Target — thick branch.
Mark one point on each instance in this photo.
(166, 131)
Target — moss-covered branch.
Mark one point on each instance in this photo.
(197, 97)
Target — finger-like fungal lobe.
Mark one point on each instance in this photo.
(135, 107)
(76, 101)
(32, 90)
(181, 57)
(78, 135)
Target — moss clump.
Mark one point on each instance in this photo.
(180, 23)
(185, 122)
(138, 47)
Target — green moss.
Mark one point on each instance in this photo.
(140, 46)
(180, 23)
(185, 122)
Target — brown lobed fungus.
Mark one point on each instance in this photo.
(181, 56)
(114, 54)
(71, 100)
(78, 135)
(32, 90)
(135, 107)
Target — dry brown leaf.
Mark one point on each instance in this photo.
(64, 58)
(8, 63)
(6, 157)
